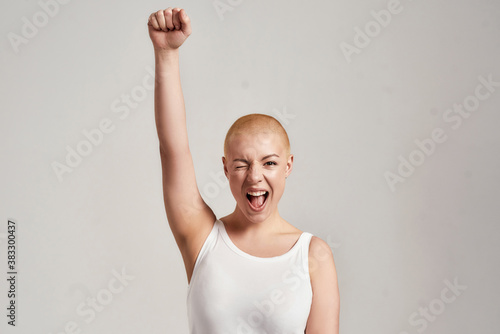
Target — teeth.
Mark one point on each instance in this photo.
(258, 193)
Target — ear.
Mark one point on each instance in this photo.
(289, 165)
(225, 167)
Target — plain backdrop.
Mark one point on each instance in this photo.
(89, 207)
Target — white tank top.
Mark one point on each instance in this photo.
(233, 292)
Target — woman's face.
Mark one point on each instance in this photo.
(256, 166)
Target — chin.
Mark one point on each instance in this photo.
(254, 216)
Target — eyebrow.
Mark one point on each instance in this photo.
(264, 158)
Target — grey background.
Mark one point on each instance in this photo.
(348, 123)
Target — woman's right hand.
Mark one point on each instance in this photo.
(169, 28)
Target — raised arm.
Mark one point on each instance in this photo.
(189, 217)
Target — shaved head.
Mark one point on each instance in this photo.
(255, 124)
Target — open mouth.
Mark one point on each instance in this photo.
(258, 199)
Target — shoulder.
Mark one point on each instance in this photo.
(320, 256)
(318, 248)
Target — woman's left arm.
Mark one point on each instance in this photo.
(325, 308)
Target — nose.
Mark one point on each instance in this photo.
(254, 174)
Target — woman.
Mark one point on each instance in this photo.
(250, 271)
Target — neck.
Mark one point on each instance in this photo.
(241, 224)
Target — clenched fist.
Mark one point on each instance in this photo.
(169, 28)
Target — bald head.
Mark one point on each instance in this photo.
(256, 124)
